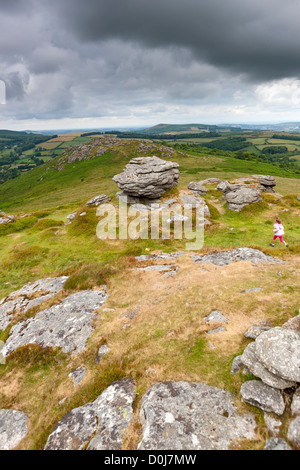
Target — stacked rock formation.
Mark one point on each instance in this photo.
(148, 177)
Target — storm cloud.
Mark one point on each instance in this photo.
(147, 61)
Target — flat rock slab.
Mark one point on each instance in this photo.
(13, 428)
(66, 325)
(279, 350)
(191, 416)
(259, 394)
(29, 296)
(99, 425)
(224, 258)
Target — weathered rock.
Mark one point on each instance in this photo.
(190, 416)
(272, 424)
(96, 201)
(266, 180)
(293, 324)
(78, 375)
(293, 434)
(102, 351)
(240, 254)
(66, 325)
(13, 428)
(253, 289)
(167, 256)
(259, 394)
(215, 316)
(257, 368)
(295, 406)
(7, 219)
(148, 177)
(254, 331)
(241, 197)
(197, 188)
(277, 443)
(99, 425)
(29, 296)
(279, 350)
(237, 365)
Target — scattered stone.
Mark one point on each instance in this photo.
(102, 351)
(67, 325)
(254, 289)
(167, 256)
(239, 254)
(293, 434)
(215, 316)
(216, 330)
(13, 428)
(78, 375)
(148, 177)
(96, 201)
(6, 219)
(197, 189)
(159, 267)
(254, 331)
(71, 216)
(276, 443)
(191, 416)
(29, 296)
(237, 365)
(259, 394)
(99, 425)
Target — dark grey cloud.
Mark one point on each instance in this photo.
(109, 58)
(258, 38)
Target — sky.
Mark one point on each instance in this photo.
(73, 64)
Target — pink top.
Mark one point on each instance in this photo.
(278, 229)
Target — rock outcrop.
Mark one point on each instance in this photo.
(148, 177)
(99, 425)
(67, 325)
(239, 254)
(192, 416)
(98, 200)
(29, 296)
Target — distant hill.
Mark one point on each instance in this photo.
(181, 128)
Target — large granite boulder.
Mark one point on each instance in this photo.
(192, 416)
(99, 425)
(148, 177)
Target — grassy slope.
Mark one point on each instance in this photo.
(170, 320)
